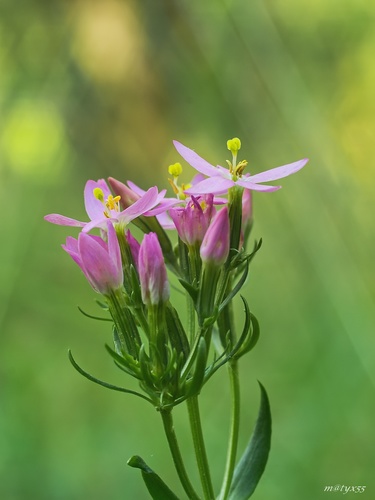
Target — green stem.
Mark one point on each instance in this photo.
(199, 447)
(166, 416)
(234, 428)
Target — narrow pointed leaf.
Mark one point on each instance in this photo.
(94, 317)
(155, 485)
(253, 462)
(236, 289)
(104, 384)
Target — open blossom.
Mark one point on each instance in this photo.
(134, 192)
(193, 220)
(100, 261)
(221, 179)
(102, 206)
(152, 271)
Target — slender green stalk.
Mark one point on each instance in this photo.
(234, 428)
(166, 416)
(199, 447)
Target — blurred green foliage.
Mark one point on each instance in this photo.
(97, 88)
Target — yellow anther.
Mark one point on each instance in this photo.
(175, 169)
(112, 203)
(234, 145)
(98, 193)
(240, 168)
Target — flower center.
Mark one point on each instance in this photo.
(235, 169)
(109, 204)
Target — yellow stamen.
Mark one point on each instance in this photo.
(112, 203)
(240, 168)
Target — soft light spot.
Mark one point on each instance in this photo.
(33, 140)
(107, 40)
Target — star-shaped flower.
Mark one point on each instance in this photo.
(102, 206)
(221, 179)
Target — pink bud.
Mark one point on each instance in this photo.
(192, 221)
(215, 244)
(152, 271)
(128, 197)
(99, 260)
(247, 209)
(134, 247)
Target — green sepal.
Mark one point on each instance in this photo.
(136, 296)
(104, 384)
(176, 333)
(254, 459)
(195, 383)
(250, 333)
(236, 289)
(102, 305)
(191, 289)
(155, 485)
(126, 361)
(94, 317)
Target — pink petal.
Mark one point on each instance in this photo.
(94, 207)
(114, 249)
(98, 265)
(99, 222)
(148, 201)
(136, 189)
(279, 172)
(164, 205)
(61, 220)
(257, 187)
(195, 160)
(165, 221)
(214, 185)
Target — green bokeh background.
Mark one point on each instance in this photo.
(96, 88)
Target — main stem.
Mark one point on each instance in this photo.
(199, 447)
(234, 428)
(166, 416)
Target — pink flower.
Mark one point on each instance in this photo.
(99, 261)
(152, 271)
(193, 220)
(221, 179)
(215, 244)
(102, 206)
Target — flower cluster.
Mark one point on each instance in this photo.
(212, 219)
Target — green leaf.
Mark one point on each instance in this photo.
(253, 462)
(191, 290)
(104, 384)
(196, 382)
(236, 289)
(94, 317)
(155, 485)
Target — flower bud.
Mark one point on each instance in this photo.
(100, 261)
(128, 197)
(192, 221)
(152, 271)
(215, 244)
(134, 247)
